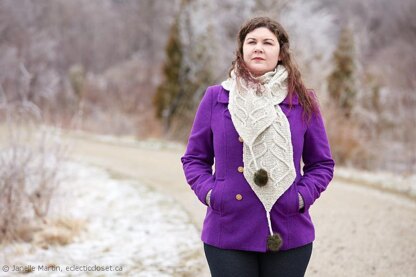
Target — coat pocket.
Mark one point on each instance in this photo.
(216, 195)
(288, 203)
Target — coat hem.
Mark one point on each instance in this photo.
(251, 249)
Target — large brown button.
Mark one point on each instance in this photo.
(240, 169)
(239, 197)
(240, 139)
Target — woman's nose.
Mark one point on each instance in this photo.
(258, 49)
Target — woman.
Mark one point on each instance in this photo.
(258, 124)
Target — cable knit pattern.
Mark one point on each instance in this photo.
(266, 133)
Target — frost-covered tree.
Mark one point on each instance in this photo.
(312, 31)
(171, 87)
(342, 81)
(208, 43)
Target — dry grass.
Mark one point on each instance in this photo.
(58, 231)
(61, 231)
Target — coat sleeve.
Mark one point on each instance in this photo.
(318, 166)
(199, 155)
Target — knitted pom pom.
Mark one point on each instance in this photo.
(260, 177)
(274, 242)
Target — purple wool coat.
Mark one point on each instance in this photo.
(236, 219)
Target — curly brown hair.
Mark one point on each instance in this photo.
(295, 84)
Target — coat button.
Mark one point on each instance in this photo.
(240, 169)
(240, 139)
(239, 197)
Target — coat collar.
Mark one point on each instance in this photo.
(223, 97)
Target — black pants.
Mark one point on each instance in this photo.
(237, 263)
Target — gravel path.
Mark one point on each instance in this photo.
(359, 231)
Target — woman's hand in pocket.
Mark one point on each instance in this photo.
(208, 198)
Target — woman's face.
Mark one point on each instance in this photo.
(261, 51)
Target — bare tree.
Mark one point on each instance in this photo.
(30, 161)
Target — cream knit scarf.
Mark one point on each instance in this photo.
(265, 131)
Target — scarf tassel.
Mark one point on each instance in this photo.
(261, 177)
(274, 241)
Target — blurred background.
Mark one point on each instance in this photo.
(141, 67)
(137, 69)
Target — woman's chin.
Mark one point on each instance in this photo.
(258, 72)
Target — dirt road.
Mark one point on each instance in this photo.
(359, 231)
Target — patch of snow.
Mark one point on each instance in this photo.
(405, 184)
(128, 225)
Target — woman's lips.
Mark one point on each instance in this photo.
(258, 59)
